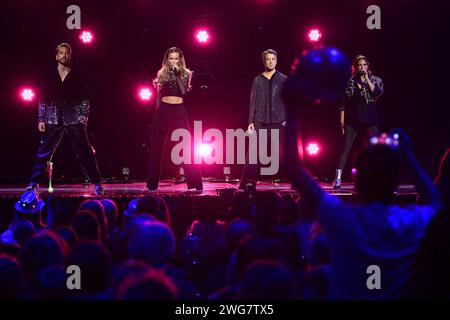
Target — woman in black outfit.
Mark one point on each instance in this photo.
(358, 112)
(172, 83)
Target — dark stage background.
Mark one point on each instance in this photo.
(408, 53)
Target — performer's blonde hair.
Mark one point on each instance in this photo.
(163, 73)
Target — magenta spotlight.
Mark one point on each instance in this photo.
(314, 35)
(204, 149)
(145, 94)
(86, 37)
(27, 94)
(312, 149)
(353, 171)
(202, 36)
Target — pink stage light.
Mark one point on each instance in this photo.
(145, 94)
(27, 94)
(204, 149)
(202, 36)
(86, 37)
(314, 35)
(312, 149)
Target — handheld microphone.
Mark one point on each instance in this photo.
(175, 69)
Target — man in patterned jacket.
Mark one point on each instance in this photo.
(64, 109)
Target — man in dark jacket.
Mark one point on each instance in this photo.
(267, 110)
(64, 109)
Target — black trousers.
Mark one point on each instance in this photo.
(80, 143)
(250, 172)
(351, 131)
(167, 118)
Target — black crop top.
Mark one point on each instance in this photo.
(171, 88)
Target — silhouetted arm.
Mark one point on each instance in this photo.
(428, 193)
(300, 178)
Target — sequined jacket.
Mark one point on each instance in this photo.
(359, 104)
(63, 102)
(369, 96)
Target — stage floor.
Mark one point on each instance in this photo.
(170, 188)
(176, 195)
